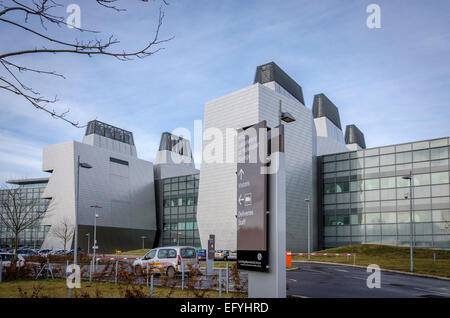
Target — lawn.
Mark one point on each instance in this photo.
(389, 257)
(140, 252)
(57, 289)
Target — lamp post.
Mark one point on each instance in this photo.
(411, 217)
(284, 116)
(307, 200)
(75, 244)
(143, 238)
(95, 247)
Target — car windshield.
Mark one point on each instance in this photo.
(188, 253)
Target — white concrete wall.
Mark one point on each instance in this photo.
(217, 194)
(330, 138)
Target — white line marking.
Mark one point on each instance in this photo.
(432, 291)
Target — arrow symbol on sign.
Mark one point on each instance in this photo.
(241, 174)
(240, 199)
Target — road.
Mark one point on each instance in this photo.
(326, 280)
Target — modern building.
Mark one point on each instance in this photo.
(356, 195)
(111, 182)
(29, 190)
(176, 199)
(364, 197)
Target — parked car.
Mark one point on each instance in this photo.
(57, 252)
(201, 255)
(25, 252)
(44, 252)
(7, 258)
(219, 255)
(232, 256)
(167, 260)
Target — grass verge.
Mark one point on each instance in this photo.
(389, 257)
(57, 289)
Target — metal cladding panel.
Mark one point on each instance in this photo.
(354, 136)
(323, 107)
(271, 72)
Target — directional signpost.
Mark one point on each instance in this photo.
(210, 254)
(261, 210)
(251, 201)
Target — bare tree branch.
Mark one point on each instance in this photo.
(42, 10)
(17, 212)
(63, 230)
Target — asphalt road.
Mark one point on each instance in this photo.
(336, 281)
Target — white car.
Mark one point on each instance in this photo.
(7, 258)
(167, 260)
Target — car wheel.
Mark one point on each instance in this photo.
(171, 272)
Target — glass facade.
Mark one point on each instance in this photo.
(179, 217)
(364, 198)
(32, 237)
(108, 131)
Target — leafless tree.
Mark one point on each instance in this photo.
(16, 13)
(63, 230)
(18, 212)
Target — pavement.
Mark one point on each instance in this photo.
(337, 281)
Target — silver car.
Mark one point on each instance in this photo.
(168, 260)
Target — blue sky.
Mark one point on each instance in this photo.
(393, 82)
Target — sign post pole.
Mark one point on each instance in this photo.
(273, 283)
(210, 254)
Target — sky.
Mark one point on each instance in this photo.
(392, 82)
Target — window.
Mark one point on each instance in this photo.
(402, 182)
(329, 167)
(403, 157)
(372, 184)
(188, 253)
(387, 160)
(439, 177)
(439, 153)
(421, 179)
(357, 163)
(342, 187)
(421, 155)
(150, 255)
(387, 183)
(371, 162)
(329, 188)
(342, 165)
(373, 218)
(356, 185)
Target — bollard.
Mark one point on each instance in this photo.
(182, 276)
(1, 269)
(227, 285)
(434, 257)
(151, 286)
(70, 289)
(348, 255)
(220, 283)
(147, 274)
(117, 272)
(90, 272)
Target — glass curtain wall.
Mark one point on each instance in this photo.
(180, 211)
(32, 237)
(366, 200)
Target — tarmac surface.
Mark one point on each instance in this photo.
(337, 281)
